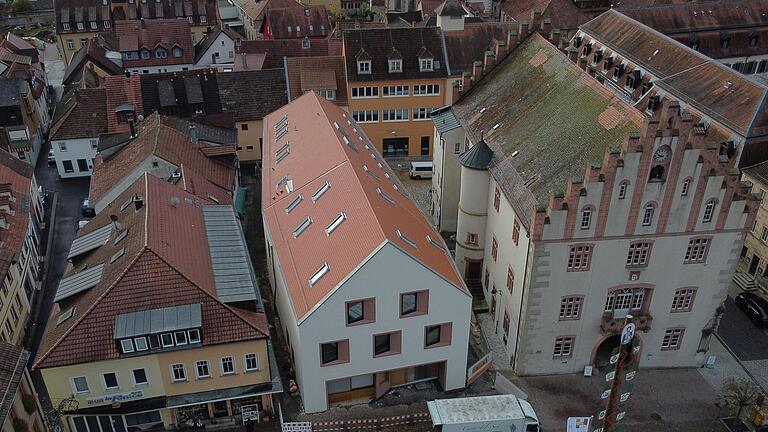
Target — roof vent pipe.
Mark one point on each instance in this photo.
(132, 125)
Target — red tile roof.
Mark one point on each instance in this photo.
(122, 90)
(317, 73)
(165, 142)
(136, 35)
(469, 45)
(16, 178)
(297, 22)
(166, 263)
(318, 155)
(276, 50)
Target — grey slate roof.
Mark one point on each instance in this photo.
(758, 172)
(90, 241)
(153, 321)
(479, 156)
(79, 282)
(233, 273)
(444, 119)
(546, 121)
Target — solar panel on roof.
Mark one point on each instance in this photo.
(90, 241)
(79, 282)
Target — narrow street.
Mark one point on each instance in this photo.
(70, 194)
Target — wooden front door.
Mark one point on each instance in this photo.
(473, 269)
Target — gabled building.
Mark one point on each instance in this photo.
(270, 54)
(733, 32)
(152, 46)
(95, 57)
(395, 78)
(217, 49)
(644, 67)
(80, 20)
(79, 119)
(324, 75)
(21, 220)
(296, 23)
(155, 324)
(20, 407)
(155, 147)
(569, 193)
(355, 328)
(252, 13)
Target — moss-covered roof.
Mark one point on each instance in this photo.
(545, 119)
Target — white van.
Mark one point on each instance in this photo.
(496, 413)
(420, 170)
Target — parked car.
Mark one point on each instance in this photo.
(86, 209)
(51, 158)
(754, 306)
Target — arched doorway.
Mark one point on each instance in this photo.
(604, 350)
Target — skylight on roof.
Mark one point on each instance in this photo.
(282, 155)
(408, 241)
(335, 224)
(282, 181)
(319, 274)
(301, 228)
(349, 143)
(282, 122)
(117, 255)
(436, 244)
(67, 314)
(323, 189)
(282, 148)
(213, 198)
(123, 234)
(371, 173)
(385, 195)
(126, 204)
(296, 201)
(336, 125)
(281, 132)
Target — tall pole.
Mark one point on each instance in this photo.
(625, 356)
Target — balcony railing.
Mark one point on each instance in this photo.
(611, 325)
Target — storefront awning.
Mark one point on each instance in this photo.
(124, 407)
(219, 395)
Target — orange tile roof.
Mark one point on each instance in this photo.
(318, 154)
(165, 142)
(166, 263)
(16, 178)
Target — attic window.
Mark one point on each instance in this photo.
(406, 239)
(213, 198)
(725, 40)
(385, 195)
(296, 201)
(123, 234)
(395, 66)
(301, 228)
(126, 204)
(426, 64)
(350, 144)
(281, 131)
(335, 224)
(282, 155)
(323, 189)
(364, 67)
(306, 11)
(336, 125)
(305, 43)
(322, 271)
(67, 314)
(436, 244)
(371, 173)
(117, 255)
(282, 181)
(282, 122)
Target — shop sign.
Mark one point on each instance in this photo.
(116, 397)
(250, 413)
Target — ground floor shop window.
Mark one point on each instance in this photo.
(348, 384)
(395, 147)
(118, 423)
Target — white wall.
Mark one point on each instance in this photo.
(447, 303)
(160, 69)
(221, 52)
(446, 180)
(153, 165)
(76, 149)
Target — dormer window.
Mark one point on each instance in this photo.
(160, 52)
(159, 329)
(80, 26)
(364, 67)
(654, 103)
(203, 19)
(177, 52)
(305, 43)
(597, 57)
(307, 12)
(633, 79)
(144, 54)
(426, 64)
(107, 24)
(607, 64)
(587, 49)
(618, 71)
(65, 26)
(395, 66)
(576, 42)
(94, 26)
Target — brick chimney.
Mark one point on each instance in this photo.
(535, 20)
(489, 59)
(546, 26)
(524, 28)
(512, 39)
(456, 90)
(466, 81)
(477, 71)
(501, 51)
(554, 37)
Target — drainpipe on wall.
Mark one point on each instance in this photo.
(522, 298)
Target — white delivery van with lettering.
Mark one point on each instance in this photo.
(499, 413)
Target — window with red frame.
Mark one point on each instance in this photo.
(563, 346)
(494, 248)
(506, 326)
(683, 299)
(579, 257)
(697, 251)
(516, 231)
(497, 199)
(638, 254)
(570, 308)
(510, 279)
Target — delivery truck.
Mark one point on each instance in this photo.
(498, 413)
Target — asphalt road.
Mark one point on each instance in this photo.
(70, 194)
(744, 338)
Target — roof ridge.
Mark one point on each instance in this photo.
(93, 305)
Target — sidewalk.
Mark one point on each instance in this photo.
(726, 366)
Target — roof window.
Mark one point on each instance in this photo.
(67, 314)
(303, 227)
(282, 155)
(282, 148)
(436, 244)
(335, 224)
(282, 181)
(282, 122)
(323, 189)
(322, 271)
(213, 198)
(126, 204)
(349, 143)
(385, 195)
(117, 255)
(296, 201)
(371, 173)
(123, 234)
(405, 239)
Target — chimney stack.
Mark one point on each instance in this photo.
(512, 39)
(501, 50)
(477, 71)
(554, 37)
(132, 125)
(193, 133)
(524, 28)
(138, 202)
(488, 61)
(456, 91)
(466, 81)
(546, 26)
(535, 21)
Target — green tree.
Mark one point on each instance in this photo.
(739, 394)
(18, 6)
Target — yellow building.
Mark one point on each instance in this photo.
(754, 254)
(152, 325)
(395, 78)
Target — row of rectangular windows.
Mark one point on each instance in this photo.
(391, 115)
(638, 255)
(139, 376)
(630, 299)
(395, 91)
(564, 345)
